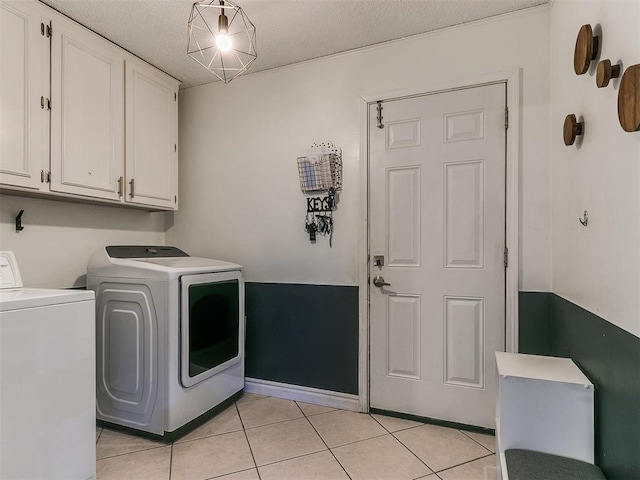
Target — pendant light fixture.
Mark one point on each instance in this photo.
(221, 38)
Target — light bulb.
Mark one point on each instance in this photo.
(223, 42)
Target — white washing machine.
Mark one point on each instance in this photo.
(47, 380)
(170, 332)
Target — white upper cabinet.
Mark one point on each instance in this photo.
(67, 105)
(152, 136)
(21, 115)
(87, 113)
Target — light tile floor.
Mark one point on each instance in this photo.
(266, 438)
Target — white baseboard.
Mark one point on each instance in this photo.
(316, 396)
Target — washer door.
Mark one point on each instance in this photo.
(211, 324)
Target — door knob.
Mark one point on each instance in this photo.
(378, 281)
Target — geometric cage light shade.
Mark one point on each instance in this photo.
(221, 38)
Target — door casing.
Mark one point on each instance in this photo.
(513, 81)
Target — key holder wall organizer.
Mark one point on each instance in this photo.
(320, 173)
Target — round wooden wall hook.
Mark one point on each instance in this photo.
(572, 128)
(586, 50)
(629, 99)
(605, 72)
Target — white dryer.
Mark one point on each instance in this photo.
(170, 333)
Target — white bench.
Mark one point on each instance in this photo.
(545, 405)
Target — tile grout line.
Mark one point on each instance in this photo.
(183, 442)
(332, 409)
(273, 423)
(244, 431)
(378, 422)
(453, 466)
(129, 453)
(471, 438)
(463, 463)
(325, 443)
(291, 458)
(171, 462)
(425, 463)
(401, 429)
(232, 473)
(411, 451)
(285, 459)
(359, 441)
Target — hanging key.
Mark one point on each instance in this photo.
(311, 230)
(322, 225)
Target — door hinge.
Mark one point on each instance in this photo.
(46, 30)
(506, 257)
(506, 118)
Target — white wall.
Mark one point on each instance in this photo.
(59, 237)
(597, 267)
(240, 196)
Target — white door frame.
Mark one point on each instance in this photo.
(513, 81)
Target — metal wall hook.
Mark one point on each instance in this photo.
(19, 226)
(585, 219)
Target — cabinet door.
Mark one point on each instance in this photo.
(21, 83)
(152, 137)
(87, 113)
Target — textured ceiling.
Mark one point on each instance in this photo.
(288, 31)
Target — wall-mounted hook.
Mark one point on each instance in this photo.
(585, 219)
(605, 72)
(571, 129)
(19, 226)
(586, 50)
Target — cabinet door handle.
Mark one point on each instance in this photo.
(131, 188)
(120, 186)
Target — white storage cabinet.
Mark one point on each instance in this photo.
(87, 113)
(64, 86)
(22, 51)
(152, 136)
(544, 404)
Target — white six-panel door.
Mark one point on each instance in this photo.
(437, 216)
